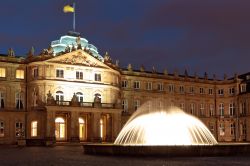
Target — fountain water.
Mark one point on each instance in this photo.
(170, 126)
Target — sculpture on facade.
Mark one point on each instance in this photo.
(11, 52)
(74, 100)
(50, 99)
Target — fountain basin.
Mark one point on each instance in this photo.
(227, 149)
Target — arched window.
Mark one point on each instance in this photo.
(19, 100)
(79, 97)
(1, 100)
(60, 128)
(82, 129)
(1, 129)
(59, 96)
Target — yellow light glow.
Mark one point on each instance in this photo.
(164, 127)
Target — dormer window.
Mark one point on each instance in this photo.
(59, 73)
(243, 88)
(98, 77)
(79, 75)
(20, 74)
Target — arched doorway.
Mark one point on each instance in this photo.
(60, 130)
(82, 129)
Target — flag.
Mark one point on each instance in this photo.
(68, 8)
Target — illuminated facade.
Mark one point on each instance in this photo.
(71, 93)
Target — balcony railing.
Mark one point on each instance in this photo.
(85, 104)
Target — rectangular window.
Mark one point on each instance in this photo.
(202, 91)
(136, 104)
(243, 88)
(20, 74)
(79, 75)
(221, 109)
(192, 108)
(232, 129)
(211, 127)
(35, 72)
(231, 91)
(181, 89)
(221, 92)
(211, 110)
(182, 106)
(19, 100)
(202, 110)
(244, 129)
(125, 105)
(19, 129)
(222, 129)
(34, 129)
(191, 90)
(210, 91)
(160, 87)
(148, 85)
(171, 88)
(137, 85)
(243, 108)
(1, 100)
(124, 83)
(231, 109)
(1, 129)
(59, 73)
(2, 72)
(98, 77)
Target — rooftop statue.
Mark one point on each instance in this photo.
(11, 52)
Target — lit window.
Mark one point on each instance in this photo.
(148, 85)
(221, 92)
(82, 129)
(2, 72)
(124, 83)
(101, 128)
(1, 100)
(19, 129)
(20, 74)
(97, 77)
(1, 129)
(137, 85)
(221, 109)
(35, 72)
(136, 104)
(19, 100)
(34, 129)
(59, 73)
(79, 97)
(160, 87)
(231, 109)
(79, 75)
(125, 105)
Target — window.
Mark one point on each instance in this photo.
(202, 112)
(82, 129)
(211, 110)
(137, 85)
(33, 128)
(148, 85)
(210, 91)
(202, 91)
(19, 129)
(59, 73)
(125, 105)
(243, 108)
(182, 106)
(221, 92)
(60, 129)
(97, 77)
(20, 74)
(2, 72)
(222, 129)
(79, 75)
(232, 129)
(160, 87)
(243, 88)
(79, 97)
(35, 72)
(192, 108)
(221, 109)
(1, 129)
(136, 104)
(171, 88)
(181, 89)
(211, 127)
(1, 100)
(231, 91)
(101, 128)
(124, 83)
(231, 109)
(244, 129)
(59, 96)
(191, 90)
(19, 100)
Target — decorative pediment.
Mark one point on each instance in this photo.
(77, 58)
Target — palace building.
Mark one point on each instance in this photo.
(70, 93)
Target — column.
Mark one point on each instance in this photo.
(74, 127)
(50, 128)
(95, 127)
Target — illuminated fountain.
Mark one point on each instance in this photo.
(171, 126)
(165, 131)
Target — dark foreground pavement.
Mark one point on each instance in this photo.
(73, 155)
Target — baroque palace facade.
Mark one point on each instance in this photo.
(69, 93)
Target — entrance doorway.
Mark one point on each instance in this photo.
(82, 129)
(60, 130)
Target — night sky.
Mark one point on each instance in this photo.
(210, 36)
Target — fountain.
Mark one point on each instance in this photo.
(168, 131)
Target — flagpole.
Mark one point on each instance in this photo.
(74, 17)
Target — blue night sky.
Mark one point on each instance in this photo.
(210, 36)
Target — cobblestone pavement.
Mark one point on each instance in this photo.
(73, 155)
